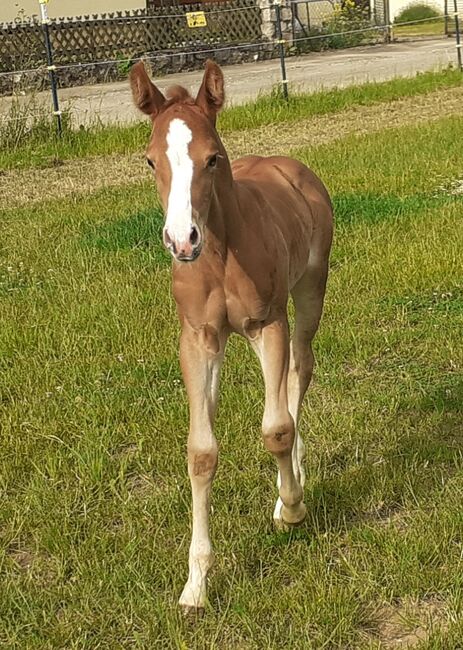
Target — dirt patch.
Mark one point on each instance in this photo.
(40, 567)
(454, 188)
(22, 558)
(140, 486)
(86, 175)
(383, 515)
(407, 623)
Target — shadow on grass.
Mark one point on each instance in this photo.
(428, 452)
(377, 489)
(141, 231)
(446, 396)
(350, 209)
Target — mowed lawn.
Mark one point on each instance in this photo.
(94, 493)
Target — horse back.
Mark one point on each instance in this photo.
(284, 193)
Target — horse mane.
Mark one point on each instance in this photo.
(178, 95)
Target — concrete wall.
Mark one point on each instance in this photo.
(10, 9)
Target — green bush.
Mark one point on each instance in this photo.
(417, 11)
(340, 30)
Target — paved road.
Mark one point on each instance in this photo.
(113, 102)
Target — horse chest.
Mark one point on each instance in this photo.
(230, 299)
(249, 301)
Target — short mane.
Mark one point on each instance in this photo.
(178, 94)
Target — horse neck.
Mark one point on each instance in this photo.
(223, 205)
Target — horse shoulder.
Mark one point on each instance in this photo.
(198, 289)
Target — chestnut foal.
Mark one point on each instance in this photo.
(242, 236)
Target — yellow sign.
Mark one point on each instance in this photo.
(196, 19)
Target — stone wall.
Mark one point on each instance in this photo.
(269, 26)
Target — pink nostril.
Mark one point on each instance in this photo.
(183, 248)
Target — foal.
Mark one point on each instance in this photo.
(242, 236)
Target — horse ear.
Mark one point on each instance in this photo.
(211, 95)
(146, 96)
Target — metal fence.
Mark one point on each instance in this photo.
(86, 39)
(57, 53)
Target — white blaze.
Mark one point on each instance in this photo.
(179, 213)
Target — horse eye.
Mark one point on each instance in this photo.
(150, 163)
(212, 162)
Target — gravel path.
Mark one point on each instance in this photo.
(113, 103)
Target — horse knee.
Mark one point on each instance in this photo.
(303, 364)
(279, 438)
(202, 460)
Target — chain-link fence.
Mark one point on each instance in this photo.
(88, 49)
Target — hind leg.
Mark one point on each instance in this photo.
(308, 296)
(272, 347)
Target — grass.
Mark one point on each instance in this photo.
(428, 28)
(38, 146)
(432, 22)
(94, 521)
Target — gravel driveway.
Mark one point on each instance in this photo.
(113, 103)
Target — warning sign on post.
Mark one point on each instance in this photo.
(196, 19)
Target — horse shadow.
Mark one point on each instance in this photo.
(427, 455)
(336, 503)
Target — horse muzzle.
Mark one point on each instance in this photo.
(184, 250)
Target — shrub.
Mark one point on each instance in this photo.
(416, 11)
(348, 17)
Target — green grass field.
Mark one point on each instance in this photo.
(431, 28)
(94, 492)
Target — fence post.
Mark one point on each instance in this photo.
(50, 66)
(457, 34)
(387, 20)
(281, 46)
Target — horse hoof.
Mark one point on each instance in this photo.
(192, 613)
(295, 515)
(291, 517)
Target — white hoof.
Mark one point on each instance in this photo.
(285, 518)
(193, 597)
